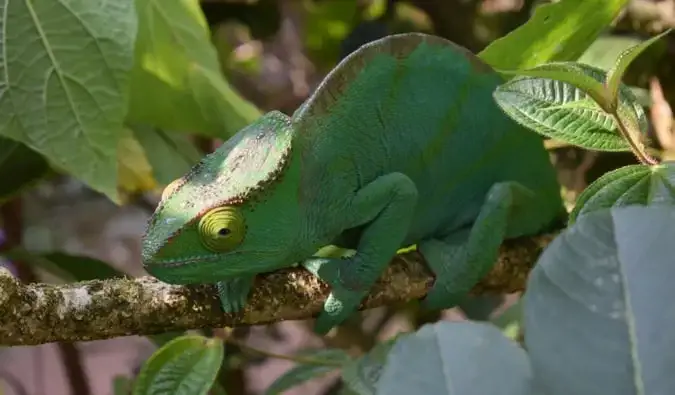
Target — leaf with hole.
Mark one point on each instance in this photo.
(559, 110)
(456, 358)
(187, 365)
(615, 74)
(557, 32)
(629, 185)
(65, 76)
(322, 361)
(597, 314)
(20, 167)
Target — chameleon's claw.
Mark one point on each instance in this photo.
(331, 271)
(233, 294)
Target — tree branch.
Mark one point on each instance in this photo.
(41, 313)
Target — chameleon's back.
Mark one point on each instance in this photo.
(419, 105)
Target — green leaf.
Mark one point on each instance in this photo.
(71, 268)
(456, 358)
(324, 361)
(171, 155)
(361, 375)
(560, 32)
(187, 365)
(559, 110)
(122, 385)
(176, 83)
(64, 79)
(595, 321)
(481, 307)
(20, 167)
(571, 73)
(615, 74)
(604, 51)
(629, 185)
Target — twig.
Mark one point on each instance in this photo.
(41, 313)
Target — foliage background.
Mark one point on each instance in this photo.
(273, 53)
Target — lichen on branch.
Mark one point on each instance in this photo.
(41, 313)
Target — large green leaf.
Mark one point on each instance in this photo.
(456, 358)
(559, 110)
(561, 32)
(64, 81)
(20, 167)
(170, 154)
(597, 308)
(176, 80)
(322, 362)
(604, 51)
(629, 185)
(187, 365)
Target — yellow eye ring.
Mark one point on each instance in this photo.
(222, 229)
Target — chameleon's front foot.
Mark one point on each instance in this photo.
(233, 294)
(347, 291)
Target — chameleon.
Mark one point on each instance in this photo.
(401, 144)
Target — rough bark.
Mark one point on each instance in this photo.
(41, 313)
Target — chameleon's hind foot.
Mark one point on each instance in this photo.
(233, 294)
(464, 257)
(346, 290)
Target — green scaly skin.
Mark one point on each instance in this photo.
(401, 144)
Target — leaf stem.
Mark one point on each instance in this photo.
(635, 146)
(298, 359)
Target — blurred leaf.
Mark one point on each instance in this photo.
(176, 82)
(510, 320)
(187, 365)
(20, 167)
(629, 185)
(559, 31)
(599, 290)
(122, 385)
(327, 24)
(135, 173)
(171, 154)
(361, 376)
(456, 358)
(71, 268)
(604, 51)
(325, 360)
(615, 74)
(480, 307)
(65, 75)
(558, 110)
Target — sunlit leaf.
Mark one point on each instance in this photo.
(615, 74)
(176, 81)
(557, 32)
(135, 173)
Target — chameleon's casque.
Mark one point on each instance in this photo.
(402, 143)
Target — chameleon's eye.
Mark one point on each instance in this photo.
(222, 229)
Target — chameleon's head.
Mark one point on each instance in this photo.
(234, 213)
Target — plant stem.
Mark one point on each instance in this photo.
(635, 146)
(299, 359)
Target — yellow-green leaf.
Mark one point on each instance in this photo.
(135, 172)
(175, 62)
(560, 31)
